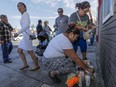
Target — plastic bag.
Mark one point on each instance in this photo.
(87, 35)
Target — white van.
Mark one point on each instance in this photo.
(18, 38)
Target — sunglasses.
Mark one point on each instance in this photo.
(60, 11)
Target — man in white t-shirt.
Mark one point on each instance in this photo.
(55, 54)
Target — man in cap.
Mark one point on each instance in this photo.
(61, 22)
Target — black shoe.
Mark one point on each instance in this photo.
(55, 79)
(8, 61)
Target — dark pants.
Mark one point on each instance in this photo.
(6, 50)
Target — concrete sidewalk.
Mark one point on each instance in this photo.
(11, 76)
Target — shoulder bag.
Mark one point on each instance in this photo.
(31, 37)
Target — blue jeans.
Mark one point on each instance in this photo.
(81, 43)
(6, 50)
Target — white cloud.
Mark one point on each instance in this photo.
(16, 0)
(49, 2)
(34, 17)
(94, 2)
(15, 17)
(36, 1)
(67, 3)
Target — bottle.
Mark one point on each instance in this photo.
(82, 75)
(87, 80)
(80, 81)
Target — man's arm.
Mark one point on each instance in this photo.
(56, 25)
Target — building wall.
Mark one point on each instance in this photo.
(108, 49)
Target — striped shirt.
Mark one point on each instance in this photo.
(5, 32)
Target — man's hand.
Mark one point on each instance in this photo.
(1, 42)
(91, 70)
(15, 35)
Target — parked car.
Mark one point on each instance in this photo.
(18, 38)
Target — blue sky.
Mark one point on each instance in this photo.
(40, 9)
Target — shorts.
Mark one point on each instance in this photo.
(61, 64)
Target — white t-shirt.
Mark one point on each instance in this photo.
(57, 45)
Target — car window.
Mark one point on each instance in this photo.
(20, 35)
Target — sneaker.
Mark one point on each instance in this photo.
(8, 61)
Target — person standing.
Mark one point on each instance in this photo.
(25, 43)
(39, 27)
(5, 38)
(47, 29)
(81, 14)
(92, 37)
(61, 22)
